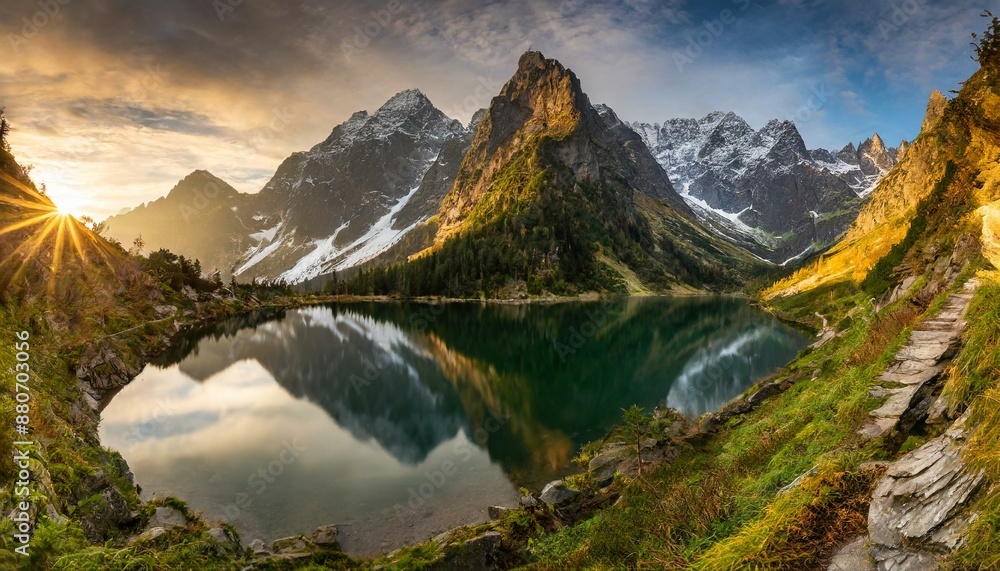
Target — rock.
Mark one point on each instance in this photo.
(258, 548)
(938, 412)
(557, 494)
(602, 468)
(917, 371)
(918, 509)
(164, 311)
(105, 512)
(189, 293)
(95, 482)
(528, 502)
(935, 110)
(326, 536)
(853, 557)
(878, 392)
(477, 553)
(148, 535)
(219, 535)
(101, 371)
(290, 545)
(54, 515)
(166, 517)
(497, 512)
(767, 391)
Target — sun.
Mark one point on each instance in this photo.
(65, 206)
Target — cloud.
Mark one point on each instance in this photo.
(114, 101)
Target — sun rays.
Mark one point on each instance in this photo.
(47, 232)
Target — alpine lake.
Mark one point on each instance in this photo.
(396, 421)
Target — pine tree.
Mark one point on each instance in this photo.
(4, 131)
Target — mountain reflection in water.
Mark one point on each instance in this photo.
(505, 392)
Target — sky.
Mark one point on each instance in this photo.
(114, 101)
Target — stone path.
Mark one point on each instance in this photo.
(917, 512)
(910, 380)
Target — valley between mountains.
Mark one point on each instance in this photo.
(876, 447)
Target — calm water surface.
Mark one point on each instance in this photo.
(395, 421)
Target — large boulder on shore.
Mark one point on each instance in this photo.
(557, 494)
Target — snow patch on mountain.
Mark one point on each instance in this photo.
(342, 203)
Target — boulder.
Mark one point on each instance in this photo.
(219, 535)
(290, 545)
(258, 548)
(528, 502)
(164, 311)
(166, 517)
(556, 494)
(767, 391)
(603, 467)
(326, 537)
(189, 293)
(148, 535)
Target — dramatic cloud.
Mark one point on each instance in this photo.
(113, 101)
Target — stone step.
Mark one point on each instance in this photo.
(898, 403)
(924, 351)
(912, 378)
(939, 326)
(911, 367)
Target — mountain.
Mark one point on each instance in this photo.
(553, 195)
(764, 189)
(342, 203)
(202, 217)
(357, 193)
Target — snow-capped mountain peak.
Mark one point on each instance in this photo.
(764, 185)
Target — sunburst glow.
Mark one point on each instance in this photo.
(50, 229)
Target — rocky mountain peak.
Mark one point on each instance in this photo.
(935, 109)
(878, 145)
(405, 102)
(541, 96)
(874, 157)
(904, 145)
(545, 86)
(200, 182)
(783, 138)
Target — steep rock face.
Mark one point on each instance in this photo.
(764, 189)
(202, 217)
(545, 159)
(543, 99)
(358, 192)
